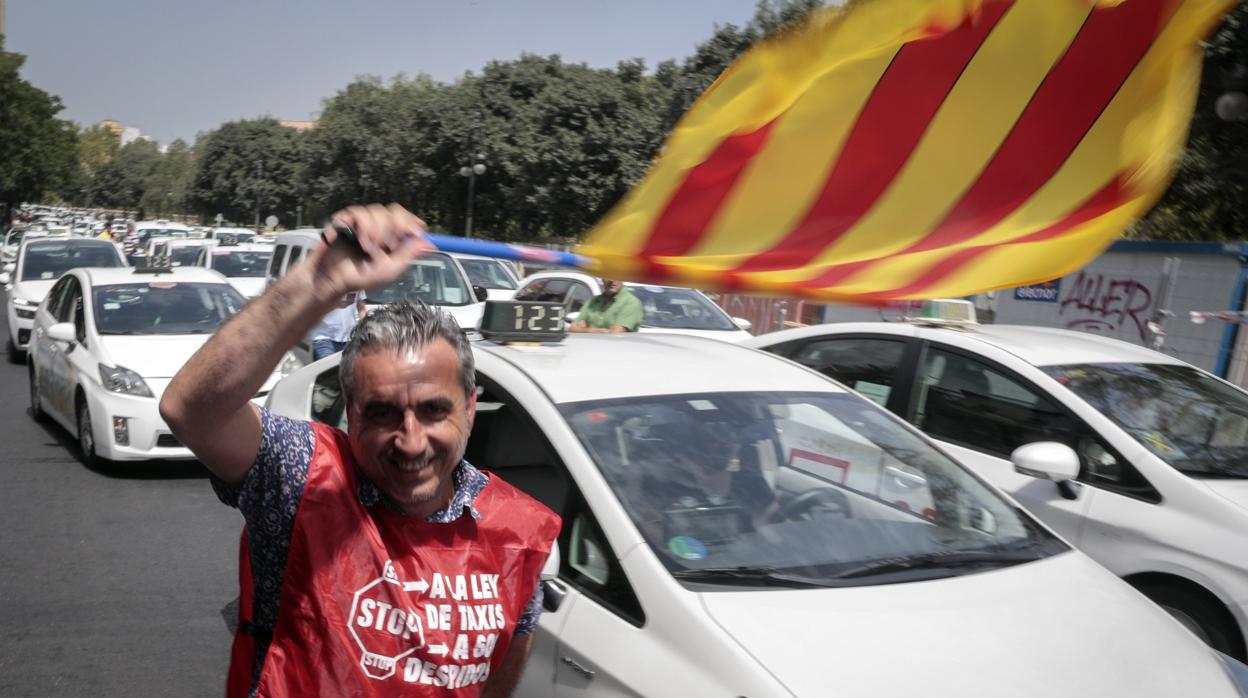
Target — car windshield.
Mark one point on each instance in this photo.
(184, 256)
(164, 307)
(488, 273)
(824, 488)
(49, 259)
(679, 308)
(432, 279)
(241, 263)
(1187, 418)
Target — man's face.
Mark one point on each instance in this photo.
(610, 287)
(408, 423)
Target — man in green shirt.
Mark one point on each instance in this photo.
(616, 309)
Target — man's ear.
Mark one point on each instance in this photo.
(471, 406)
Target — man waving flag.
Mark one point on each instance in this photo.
(904, 149)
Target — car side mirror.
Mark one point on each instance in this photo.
(572, 316)
(63, 332)
(743, 323)
(481, 293)
(5, 278)
(1046, 460)
(8, 268)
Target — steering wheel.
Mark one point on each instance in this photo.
(802, 505)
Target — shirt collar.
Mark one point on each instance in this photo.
(468, 483)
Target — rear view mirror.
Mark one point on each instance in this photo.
(1046, 460)
(572, 316)
(743, 323)
(8, 268)
(481, 293)
(5, 278)
(62, 332)
(551, 569)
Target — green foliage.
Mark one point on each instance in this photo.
(37, 150)
(1209, 195)
(165, 189)
(244, 163)
(122, 181)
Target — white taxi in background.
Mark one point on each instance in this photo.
(243, 265)
(737, 525)
(107, 342)
(664, 309)
(497, 277)
(1150, 471)
(40, 260)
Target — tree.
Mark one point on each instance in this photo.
(122, 181)
(1209, 194)
(244, 163)
(37, 150)
(166, 187)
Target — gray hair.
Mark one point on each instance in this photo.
(406, 325)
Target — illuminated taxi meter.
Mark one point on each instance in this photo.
(947, 312)
(524, 321)
(159, 264)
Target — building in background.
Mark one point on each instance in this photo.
(297, 125)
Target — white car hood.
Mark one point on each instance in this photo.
(1053, 628)
(1236, 491)
(152, 355)
(32, 290)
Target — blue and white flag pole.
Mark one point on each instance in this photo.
(503, 250)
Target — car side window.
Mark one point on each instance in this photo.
(275, 265)
(867, 365)
(328, 406)
(66, 308)
(295, 254)
(972, 404)
(545, 290)
(531, 292)
(507, 442)
(57, 295)
(578, 294)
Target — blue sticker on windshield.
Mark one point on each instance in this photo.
(687, 548)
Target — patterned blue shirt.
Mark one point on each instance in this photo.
(269, 497)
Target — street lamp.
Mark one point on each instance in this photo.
(259, 181)
(473, 166)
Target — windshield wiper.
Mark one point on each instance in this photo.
(747, 576)
(956, 560)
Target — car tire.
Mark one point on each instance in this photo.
(36, 404)
(1201, 615)
(86, 437)
(16, 356)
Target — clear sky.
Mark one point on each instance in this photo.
(174, 68)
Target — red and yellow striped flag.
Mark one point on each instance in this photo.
(905, 149)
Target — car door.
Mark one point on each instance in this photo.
(41, 348)
(61, 374)
(981, 411)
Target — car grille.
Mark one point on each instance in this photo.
(24, 314)
(167, 441)
(23, 336)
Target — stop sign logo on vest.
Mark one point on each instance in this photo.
(385, 622)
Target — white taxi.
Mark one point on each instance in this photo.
(40, 260)
(107, 342)
(496, 276)
(243, 265)
(737, 525)
(1156, 487)
(664, 309)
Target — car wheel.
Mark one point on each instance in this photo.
(86, 437)
(16, 356)
(36, 407)
(1204, 617)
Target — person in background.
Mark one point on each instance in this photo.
(332, 332)
(616, 309)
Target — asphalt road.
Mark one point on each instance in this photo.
(111, 583)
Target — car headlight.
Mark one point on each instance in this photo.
(289, 365)
(123, 380)
(1237, 671)
(23, 303)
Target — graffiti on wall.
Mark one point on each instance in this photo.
(1102, 303)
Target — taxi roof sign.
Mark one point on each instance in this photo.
(947, 311)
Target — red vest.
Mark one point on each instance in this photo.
(375, 603)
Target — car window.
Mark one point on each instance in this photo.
(65, 307)
(57, 295)
(184, 256)
(240, 263)
(866, 364)
(275, 267)
(48, 259)
(578, 294)
(164, 307)
(544, 290)
(967, 402)
(295, 253)
(680, 308)
(74, 303)
(433, 279)
(488, 273)
(814, 485)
